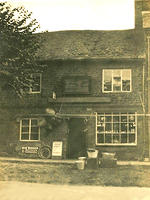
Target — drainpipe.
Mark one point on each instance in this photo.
(144, 111)
(148, 95)
(142, 99)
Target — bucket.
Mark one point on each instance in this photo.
(80, 164)
(83, 159)
(92, 153)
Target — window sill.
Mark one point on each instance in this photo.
(131, 144)
(29, 140)
(34, 93)
(116, 92)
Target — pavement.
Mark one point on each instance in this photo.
(38, 161)
(36, 191)
(51, 161)
(12, 190)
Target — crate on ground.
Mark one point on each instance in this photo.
(108, 160)
(108, 163)
(107, 155)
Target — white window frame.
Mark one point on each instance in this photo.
(30, 88)
(29, 140)
(111, 71)
(112, 133)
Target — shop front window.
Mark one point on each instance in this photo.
(116, 128)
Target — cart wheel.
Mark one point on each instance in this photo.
(45, 152)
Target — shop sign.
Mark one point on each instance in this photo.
(77, 85)
(57, 148)
(29, 149)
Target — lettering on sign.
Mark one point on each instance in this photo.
(57, 148)
(77, 85)
(29, 149)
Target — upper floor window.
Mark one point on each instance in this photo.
(35, 85)
(29, 129)
(117, 80)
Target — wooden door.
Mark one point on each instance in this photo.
(76, 138)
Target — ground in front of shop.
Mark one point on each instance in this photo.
(69, 174)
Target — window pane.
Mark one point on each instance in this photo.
(132, 138)
(100, 119)
(123, 118)
(108, 127)
(35, 83)
(35, 88)
(25, 122)
(34, 122)
(131, 118)
(126, 74)
(100, 128)
(116, 127)
(100, 138)
(123, 138)
(123, 127)
(116, 80)
(25, 129)
(107, 80)
(125, 85)
(34, 129)
(126, 80)
(34, 137)
(117, 75)
(108, 138)
(132, 127)
(115, 138)
(108, 118)
(115, 118)
(24, 136)
(116, 88)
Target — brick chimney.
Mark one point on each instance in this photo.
(146, 13)
(138, 14)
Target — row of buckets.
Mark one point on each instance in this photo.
(93, 153)
(81, 162)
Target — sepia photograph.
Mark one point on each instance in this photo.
(74, 99)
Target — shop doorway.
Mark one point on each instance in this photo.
(76, 138)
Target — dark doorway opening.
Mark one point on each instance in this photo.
(76, 138)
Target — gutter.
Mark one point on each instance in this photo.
(118, 58)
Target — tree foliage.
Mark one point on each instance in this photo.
(18, 46)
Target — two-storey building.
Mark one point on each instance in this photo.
(92, 94)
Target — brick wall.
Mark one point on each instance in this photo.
(53, 78)
(52, 81)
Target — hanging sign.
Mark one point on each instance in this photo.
(57, 148)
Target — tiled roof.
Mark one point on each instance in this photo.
(92, 44)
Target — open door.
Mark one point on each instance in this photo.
(76, 138)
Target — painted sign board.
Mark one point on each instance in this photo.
(76, 85)
(29, 149)
(57, 148)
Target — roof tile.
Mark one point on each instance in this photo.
(92, 44)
